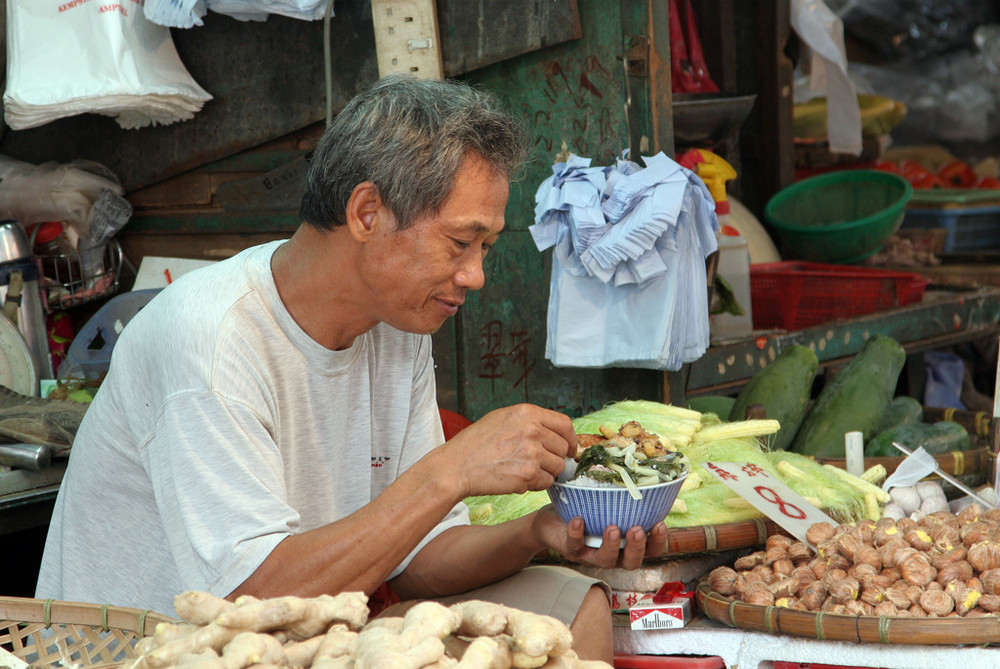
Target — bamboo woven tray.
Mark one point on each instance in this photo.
(53, 633)
(956, 463)
(834, 627)
(722, 537)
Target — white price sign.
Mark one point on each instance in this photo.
(770, 495)
(12, 661)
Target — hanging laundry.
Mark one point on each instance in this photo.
(188, 13)
(93, 58)
(629, 286)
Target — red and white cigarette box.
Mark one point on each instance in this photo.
(669, 608)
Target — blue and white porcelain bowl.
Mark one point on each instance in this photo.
(603, 506)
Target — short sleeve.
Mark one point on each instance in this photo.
(217, 479)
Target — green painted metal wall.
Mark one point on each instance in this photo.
(572, 93)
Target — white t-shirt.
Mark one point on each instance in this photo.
(222, 428)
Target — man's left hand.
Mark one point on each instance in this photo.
(567, 540)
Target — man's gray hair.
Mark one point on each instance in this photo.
(408, 136)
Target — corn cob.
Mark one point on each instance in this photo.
(875, 474)
(861, 485)
(737, 429)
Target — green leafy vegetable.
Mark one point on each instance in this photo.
(625, 466)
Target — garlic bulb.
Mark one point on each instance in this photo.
(906, 497)
(894, 511)
(929, 489)
(933, 505)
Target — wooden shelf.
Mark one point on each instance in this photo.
(945, 317)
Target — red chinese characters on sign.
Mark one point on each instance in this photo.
(503, 351)
(753, 470)
(721, 473)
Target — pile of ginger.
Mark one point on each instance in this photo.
(334, 632)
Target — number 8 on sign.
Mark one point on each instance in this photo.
(784, 507)
(769, 495)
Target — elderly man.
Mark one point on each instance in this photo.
(269, 424)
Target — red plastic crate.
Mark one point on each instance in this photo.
(669, 662)
(813, 665)
(792, 295)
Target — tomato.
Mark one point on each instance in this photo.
(929, 180)
(987, 182)
(957, 174)
(918, 175)
(884, 165)
(911, 169)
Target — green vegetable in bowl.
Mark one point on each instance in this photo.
(626, 466)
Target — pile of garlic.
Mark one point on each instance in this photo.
(916, 501)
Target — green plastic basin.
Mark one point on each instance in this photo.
(839, 217)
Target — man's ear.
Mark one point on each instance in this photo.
(363, 210)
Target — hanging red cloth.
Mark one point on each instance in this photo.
(688, 70)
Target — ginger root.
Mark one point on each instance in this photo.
(206, 659)
(481, 618)
(333, 632)
(537, 635)
(428, 619)
(299, 618)
(486, 653)
(302, 653)
(200, 608)
(249, 648)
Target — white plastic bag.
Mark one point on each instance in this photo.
(823, 34)
(64, 192)
(914, 467)
(188, 13)
(68, 57)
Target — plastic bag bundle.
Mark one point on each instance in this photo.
(73, 57)
(85, 194)
(629, 286)
(188, 13)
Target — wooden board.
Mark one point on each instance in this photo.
(945, 317)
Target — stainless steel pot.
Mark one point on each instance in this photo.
(16, 257)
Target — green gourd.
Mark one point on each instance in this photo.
(940, 437)
(902, 410)
(854, 400)
(784, 388)
(720, 405)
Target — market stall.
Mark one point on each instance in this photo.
(631, 176)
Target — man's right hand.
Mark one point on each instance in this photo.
(511, 450)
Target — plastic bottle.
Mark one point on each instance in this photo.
(734, 252)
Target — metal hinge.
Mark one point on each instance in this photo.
(637, 56)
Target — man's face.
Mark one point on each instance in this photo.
(419, 276)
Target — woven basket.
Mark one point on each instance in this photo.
(721, 537)
(956, 631)
(53, 633)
